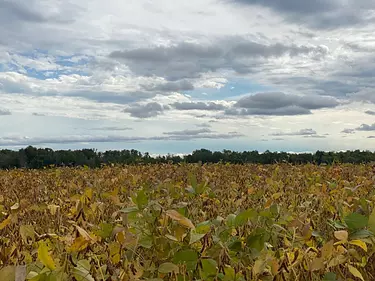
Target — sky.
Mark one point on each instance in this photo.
(171, 76)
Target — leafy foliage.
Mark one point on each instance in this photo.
(188, 222)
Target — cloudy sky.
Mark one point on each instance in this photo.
(173, 76)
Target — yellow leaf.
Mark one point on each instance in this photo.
(53, 209)
(259, 267)
(342, 235)
(79, 244)
(317, 264)
(84, 233)
(5, 223)
(174, 215)
(274, 266)
(359, 243)
(277, 195)
(355, 272)
(45, 257)
(327, 249)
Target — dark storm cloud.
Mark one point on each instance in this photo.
(211, 106)
(190, 60)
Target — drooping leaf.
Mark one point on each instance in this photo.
(168, 267)
(356, 221)
(45, 257)
(355, 272)
(176, 216)
(359, 243)
(129, 210)
(5, 223)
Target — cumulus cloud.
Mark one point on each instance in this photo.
(366, 127)
(211, 106)
(190, 60)
(302, 132)
(151, 109)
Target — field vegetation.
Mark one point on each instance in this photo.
(188, 222)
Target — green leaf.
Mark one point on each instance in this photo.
(243, 217)
(105, 230)
(356, 221)
(195, 237)
(129, 210)
(82, 271)
(235, 245)
(209, 267)
(146, 242)
(257, 239)
(188, 257)
(363, 233)
(329, 276)
(203, 227)
(142, 199)
(8, 273)
(371, 221)
(168, 267)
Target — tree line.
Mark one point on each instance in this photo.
(36, 158)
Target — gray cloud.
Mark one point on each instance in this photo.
(275, 100)
(348, 131)
(366, 128)
(111, 128)
(38, 114)
(188, 132)
(189, 60)
(198, 106)
(321, 14)
(370, 112)
(371, 137)
(5, 112)
(283, 111)
(18, 141)
(277, 103)
(302, 132)
(175, 86)
(151, 109)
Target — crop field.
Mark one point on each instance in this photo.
(188, 222)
